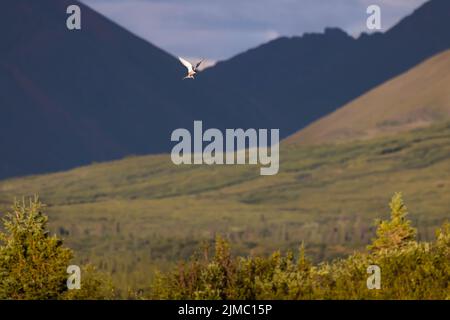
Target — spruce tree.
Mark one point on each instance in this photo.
(397, 232)
(32, 262)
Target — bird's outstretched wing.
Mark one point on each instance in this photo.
(198, 64)
(186, 63)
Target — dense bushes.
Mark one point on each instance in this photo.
(33, 266)
(409, 270)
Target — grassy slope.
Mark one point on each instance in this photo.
(136, 214)
(416, 98)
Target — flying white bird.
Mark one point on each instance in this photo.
(191, 69)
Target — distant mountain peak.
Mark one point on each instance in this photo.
(337, 32)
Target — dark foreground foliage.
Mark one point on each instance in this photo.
(33, 265)
(409, 270)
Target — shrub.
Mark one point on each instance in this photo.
(33, 263)
(409, 270)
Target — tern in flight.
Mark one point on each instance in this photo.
(191, 69)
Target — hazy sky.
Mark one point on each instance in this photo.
(219, 29)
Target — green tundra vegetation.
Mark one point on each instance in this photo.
(33, 266)
(134, 216)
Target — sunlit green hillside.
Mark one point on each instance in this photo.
(133, 215)
(413, 99)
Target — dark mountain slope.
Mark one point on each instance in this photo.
(416, 98)
(293, 81)
(72, 97)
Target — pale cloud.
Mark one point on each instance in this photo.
(219, 29)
